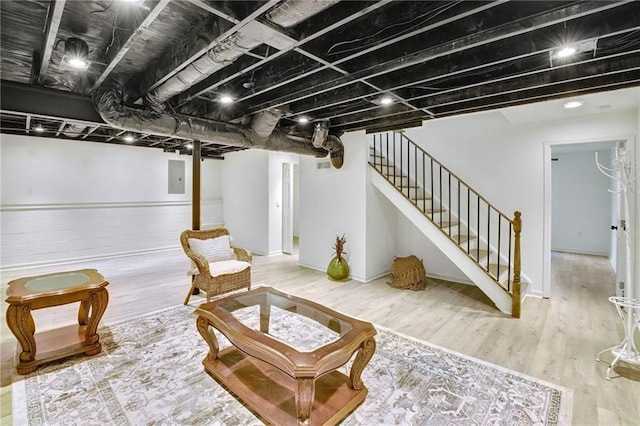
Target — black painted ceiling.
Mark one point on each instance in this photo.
(326, 60)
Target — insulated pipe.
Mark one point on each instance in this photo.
(293, 12)
(287, 14)
(109, 102)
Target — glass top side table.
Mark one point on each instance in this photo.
(629, 312)
(86, 286)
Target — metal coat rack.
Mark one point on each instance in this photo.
(628, 307)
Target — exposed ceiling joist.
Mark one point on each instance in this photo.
(114, 56)
(51, 32)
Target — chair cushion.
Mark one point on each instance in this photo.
(222, 267)
(227, 267)
(213, 249)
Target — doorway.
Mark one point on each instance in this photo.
(580, 203)
(290, 192)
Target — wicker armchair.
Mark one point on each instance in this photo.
(213, 275)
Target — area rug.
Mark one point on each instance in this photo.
(150, 373)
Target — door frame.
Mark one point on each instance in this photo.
(287, 207)
(629, 142)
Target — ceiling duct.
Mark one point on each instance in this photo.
(74, 130)
(215, 59)
(231, 48)
(265, 121)
(293, 12)
(109, 102)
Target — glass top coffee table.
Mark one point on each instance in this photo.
(284, 355)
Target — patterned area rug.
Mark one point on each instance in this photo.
(150, 373)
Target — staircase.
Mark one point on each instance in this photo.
(482, 241)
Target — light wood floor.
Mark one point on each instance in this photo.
(556, 339)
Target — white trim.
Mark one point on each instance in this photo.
(99, 205)
(87, 258)
(590, 253)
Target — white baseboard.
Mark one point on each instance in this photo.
(592, 253)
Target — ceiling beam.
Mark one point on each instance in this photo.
(535, 23)
(211, 84)
(507, 91)
(580, 70)
(596, 84)
(24, 98)
(361, 80)
(212, 10)
(372, 49)
(54, 16)
(525, 52)
(114, 56)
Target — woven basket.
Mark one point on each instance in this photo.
(408, 273)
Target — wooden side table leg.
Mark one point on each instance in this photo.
(83, 312)
(365, 352)
(98, 301)
(208, 335)
(305, 393)
(21, 324)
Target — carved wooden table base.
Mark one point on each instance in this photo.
(26, 294)
(282, 385)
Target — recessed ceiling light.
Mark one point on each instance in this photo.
(303, 120)
(128, 138)
(226, 99)
(565, 51)
(79, 63)
(573, 104)
(39, 128)
(76, 52)
(387, 100)
(189, 146)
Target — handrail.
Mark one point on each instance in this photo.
(412, 171)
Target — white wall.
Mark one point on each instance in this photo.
(333, 203)
(504, 162)
(65, 200)
(381, 232)
(246, 199)
(436, 264)
(581, 203)
(252, 193)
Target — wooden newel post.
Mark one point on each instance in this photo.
(517, 229)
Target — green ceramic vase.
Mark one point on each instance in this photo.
(338, 269)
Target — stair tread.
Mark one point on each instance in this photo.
(480, 254)
(493, 268)
(463, 238)
(447, 224)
